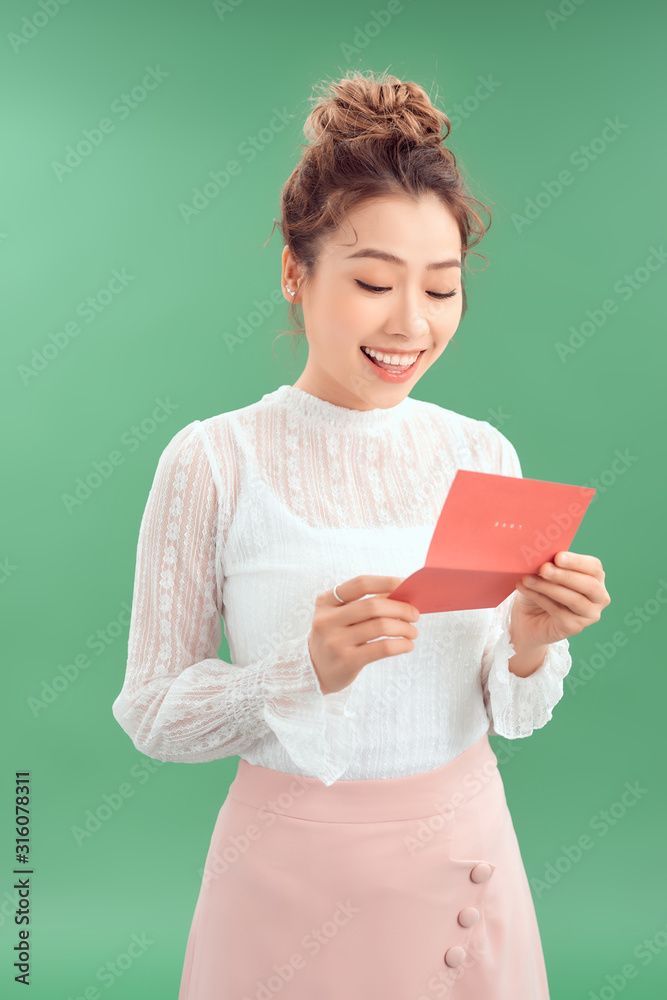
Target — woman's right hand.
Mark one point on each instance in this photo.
(338, 640)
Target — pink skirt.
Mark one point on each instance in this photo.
(404, 888)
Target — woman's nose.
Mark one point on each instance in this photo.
(411, 318)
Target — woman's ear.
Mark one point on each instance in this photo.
(290, 275)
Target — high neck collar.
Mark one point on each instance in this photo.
(326, 414)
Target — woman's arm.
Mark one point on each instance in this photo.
(515, 704)
(179, 700)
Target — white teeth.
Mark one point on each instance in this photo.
(404, 361)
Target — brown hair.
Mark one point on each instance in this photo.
(372, 136)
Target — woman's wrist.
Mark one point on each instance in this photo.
(527, 659)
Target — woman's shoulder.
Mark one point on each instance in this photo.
(453, 420)
(471, 438)
(238, 415)
(204, 430)
(217, 441)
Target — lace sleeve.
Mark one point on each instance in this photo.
(179, 700)
(517, 705)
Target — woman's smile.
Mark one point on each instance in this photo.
(391, 370)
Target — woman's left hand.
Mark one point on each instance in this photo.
(563, 600)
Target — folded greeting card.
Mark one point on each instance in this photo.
(492, 530)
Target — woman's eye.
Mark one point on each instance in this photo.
(375, 288)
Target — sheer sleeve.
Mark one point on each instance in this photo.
(179, 700)
(518, 705)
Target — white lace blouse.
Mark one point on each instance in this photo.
(251, 515)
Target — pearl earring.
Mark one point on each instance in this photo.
(290, 290)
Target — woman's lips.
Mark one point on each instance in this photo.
(386, 376)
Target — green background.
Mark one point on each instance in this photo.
(169, 335)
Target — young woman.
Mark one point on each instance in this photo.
(365, 847)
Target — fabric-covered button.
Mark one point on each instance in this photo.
(455, 956)
(481, 872)
(469, 916)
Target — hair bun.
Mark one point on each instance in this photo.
(380, 107)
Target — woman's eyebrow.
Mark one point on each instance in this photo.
(393, 259)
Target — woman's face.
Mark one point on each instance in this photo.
(405, 317)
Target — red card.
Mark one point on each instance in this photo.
(492, 530)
